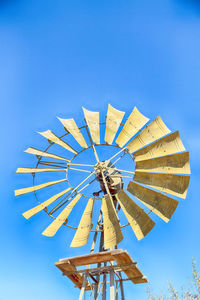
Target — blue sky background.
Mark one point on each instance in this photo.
(56, 56)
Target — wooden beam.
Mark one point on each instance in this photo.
(92, 258)
(124, 263)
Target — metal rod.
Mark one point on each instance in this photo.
(112, 285)
(74, 190)
(95, 235)
(116, 154)
(121, 282)
(117, 292)
(95, 153)
(127, 279)
(96, 291)
(115, 271)
(59, 205)
(53, 162)
(122, 170)
(121, 288)
(83, 286)
(121, 176)
(92, 277)
(125, 152)
(86, 185)
(53, 165)
(81, 170)
(91, 141)
(83, 165)
(104, 286)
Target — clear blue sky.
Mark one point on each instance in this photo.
(56, 56)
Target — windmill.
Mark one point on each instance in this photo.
(129, 180)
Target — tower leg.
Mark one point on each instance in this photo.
(121, 288)
(117, 291)
(112, 286)
(98, 265)
(104, 286)
(83, 287)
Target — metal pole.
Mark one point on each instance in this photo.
(83, 286)
(121, 283)
(121, 288)
(98, 265)
(112, 285)
(116, 290)
(104, 286)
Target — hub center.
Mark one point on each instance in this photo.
(112, 177)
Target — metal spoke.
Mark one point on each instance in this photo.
(74, 190)
(86, 185)
(81, 170)
(53, 162)
(122, 170)
(121, 176)
(125, 152)
(94, 150)
(53, 165)
(116, 154)
(57, 206)
(83, 165)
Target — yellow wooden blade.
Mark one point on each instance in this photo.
(92, 120)
(111, 224)
(82, 233)
(133, 124)
(38, 152)
(61, 218)
(140, 222)
(70, 126)
(161, 205)
(113, 121)
(38, 170)
(152, 132)
(37, 187)
(168, 183)
(31, 212)
(175, 163)
(169, 144)
(49, 135)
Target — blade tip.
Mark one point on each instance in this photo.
(16, 193)
(48, 234)
(25, 215)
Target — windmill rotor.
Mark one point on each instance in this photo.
(152, 180)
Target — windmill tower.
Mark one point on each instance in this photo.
(107, 186)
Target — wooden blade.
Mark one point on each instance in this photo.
(175, 163)
(169, 144)
(161, 205)
(38, 152)
(49, 135)
(92, 120)
(38, 170)
(113, 121)
(31, 212)
(37, 187)
(140, 222)
(112, 230)
(152, 132)
(133, 124)
(82, 233)
(168, 183)
(70, 126)
(58, 222)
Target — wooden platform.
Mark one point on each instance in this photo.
(122, 259)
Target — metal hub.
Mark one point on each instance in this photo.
(102, 166)
(112, 176)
